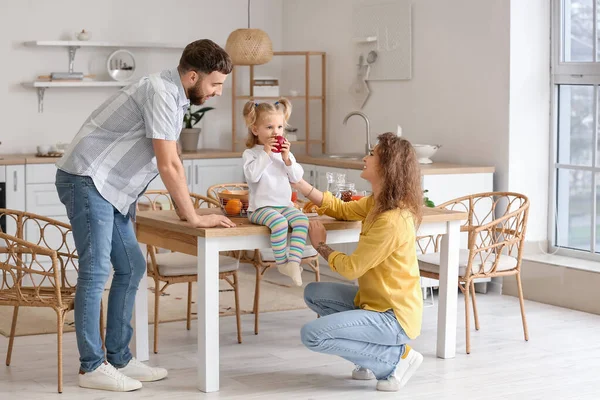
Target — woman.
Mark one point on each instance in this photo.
(370, 325)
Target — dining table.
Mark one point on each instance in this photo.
(165, 230)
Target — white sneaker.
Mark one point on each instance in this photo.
(293, 270)
(362, 374)
(409, 363)
(107, 377)
(142, 372)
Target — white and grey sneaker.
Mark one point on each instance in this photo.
(142, 372)
(408, 364)
(107, 377)
(362, 374)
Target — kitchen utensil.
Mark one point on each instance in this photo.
(43, 149)
(371, 58)
(425, 152)
(83, 35)
(121, 65)
(65, 76)
(359, 89)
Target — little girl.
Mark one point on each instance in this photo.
(269, 167)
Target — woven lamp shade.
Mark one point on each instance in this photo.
(249, 47)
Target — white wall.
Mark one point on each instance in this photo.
(480, 86)
(529, 119)
(458, 96)
(180, 21)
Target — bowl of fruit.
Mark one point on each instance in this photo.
(234, 202)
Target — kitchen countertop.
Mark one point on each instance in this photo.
(426, 169)
(19, 159)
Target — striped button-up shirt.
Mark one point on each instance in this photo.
(114, 145)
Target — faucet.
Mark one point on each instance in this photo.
(360, 114)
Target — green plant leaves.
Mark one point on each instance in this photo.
(191, 118)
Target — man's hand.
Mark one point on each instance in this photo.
(212, 220)
(180, 214)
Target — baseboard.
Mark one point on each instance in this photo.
(561, 286)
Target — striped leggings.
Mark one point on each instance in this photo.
(278, 219)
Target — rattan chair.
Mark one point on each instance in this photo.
(41, 272)
(261, 259)
(170, 268)
(495, 231)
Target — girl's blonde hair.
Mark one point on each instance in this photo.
(401, 175)
(253, 112)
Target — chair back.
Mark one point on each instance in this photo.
(38, 268)
(496, 226)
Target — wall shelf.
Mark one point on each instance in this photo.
(51, 84)
(81, 43)
(366, 39)
(307, 97)
(277, 97)
(41, 87)
(72, 46)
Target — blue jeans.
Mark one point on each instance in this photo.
(103, 236)
(369, 339)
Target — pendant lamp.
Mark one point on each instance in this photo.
(249, 46)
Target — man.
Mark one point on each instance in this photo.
(120, 148)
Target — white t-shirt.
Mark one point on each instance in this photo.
(269, 178)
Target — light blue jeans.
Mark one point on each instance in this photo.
(369, 339)
(103, 236)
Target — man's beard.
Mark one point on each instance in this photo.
(196, 96)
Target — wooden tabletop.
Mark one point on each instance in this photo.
(169, 221)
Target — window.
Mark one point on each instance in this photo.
(575, 216)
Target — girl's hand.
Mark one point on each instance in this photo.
(285, 152)
(270, 145)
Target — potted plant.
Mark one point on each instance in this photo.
(426, 200)
(190, 135)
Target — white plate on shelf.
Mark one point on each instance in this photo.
(121, 65)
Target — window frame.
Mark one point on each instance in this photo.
(571, 73)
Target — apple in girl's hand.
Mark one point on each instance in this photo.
(280, 140)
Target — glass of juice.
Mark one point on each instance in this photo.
(294, 195)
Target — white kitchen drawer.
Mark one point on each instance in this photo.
(42, 199)
(40, 173)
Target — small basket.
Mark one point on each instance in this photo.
(240, 194)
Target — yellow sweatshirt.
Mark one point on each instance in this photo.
(385, 261)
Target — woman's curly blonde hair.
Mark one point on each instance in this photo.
(253, 112)
(401, 177)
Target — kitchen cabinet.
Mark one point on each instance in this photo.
(202, 174)
(441, 187)
(14, 178)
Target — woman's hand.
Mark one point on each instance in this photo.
(316, 233)
(285, 152)
(318, 237)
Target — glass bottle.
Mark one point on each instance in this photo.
(345, 191)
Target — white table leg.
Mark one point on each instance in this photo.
(448, 294)
(208, 314)
(140, 343)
